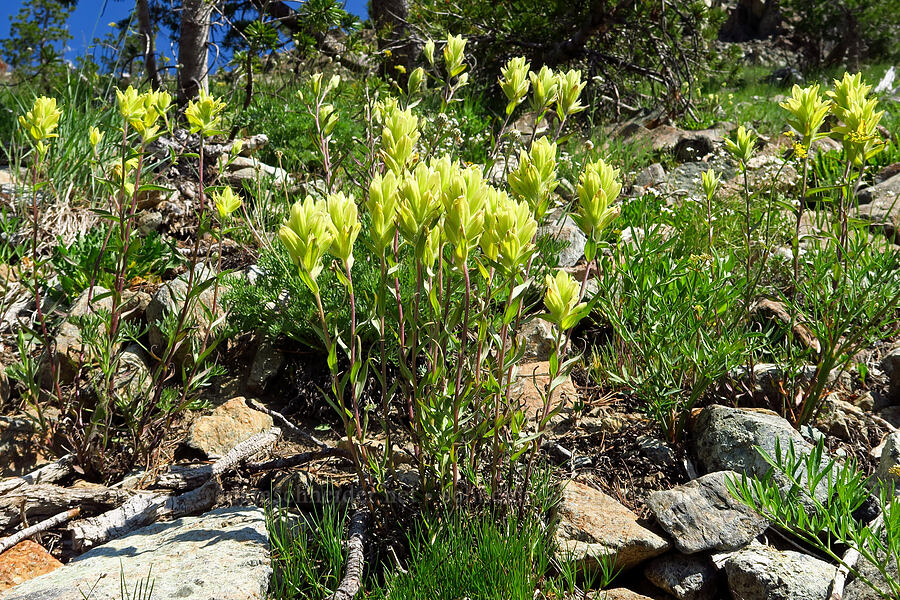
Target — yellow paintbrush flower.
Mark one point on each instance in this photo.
(226, 202)
(204, 114)
(514, 82)
(41, 121)
(561, 300)
(345, 226)
(307, 235)
(598, 187)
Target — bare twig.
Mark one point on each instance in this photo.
(286, 423)
(352, 581)
(10, 541)
(848, 562)
(298, 459)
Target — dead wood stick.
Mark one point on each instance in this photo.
(848, 562)
(44, 500)
(184, 477)
(49, 473)
(297, 460)
(10, 541)
(352, 581)
(144, 509)
(285, 423)
(771, 309)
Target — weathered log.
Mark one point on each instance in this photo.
(145, 509)
(184, 477)
(49, 473)
(44, 500)
(10, 541)
(352, 581)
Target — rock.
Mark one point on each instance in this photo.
(564, 230)
(887, 172)
(890, 364)
(26, 560)
(825, 144)
(857, 589)
(727, 439)
(687, 176)
(888, 191)
(771, 381)
(530, 381)
(685, 577)
(650, 176)
(537, 335)
(702, 515)
(657, 451)
(170, 298)
(149, 221)
(887, 81)
(248, 168)
(766, 171)
(267, 362)
(620, 594)
(763, 573)
(228, 425)
(70, 347)
(152, 198)
(883, 208)
(222, 555)
(593, 527)
(785, 77)
(890, 457)
(20, 447)
(133, 375)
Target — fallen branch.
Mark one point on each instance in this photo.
(49, 473)
(770, 309)
(352, 581)
(297, 460)
(285, 423)
(10, 541)
(184, 477)
(40, 501)
(144, 509)
(848, 562)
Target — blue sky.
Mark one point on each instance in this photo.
(91, 19)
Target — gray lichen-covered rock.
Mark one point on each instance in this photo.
(267, 362)
(593, 528)
(222, 555)
(169, 299)
(764, 573)
(702, 515)
(727, 439)
(887, 190)
(565, 230)
(685, 577)
(539, 339)
(890, 457)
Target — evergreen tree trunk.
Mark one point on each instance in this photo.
(151, 71)
(390, 17)
(193, 52)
